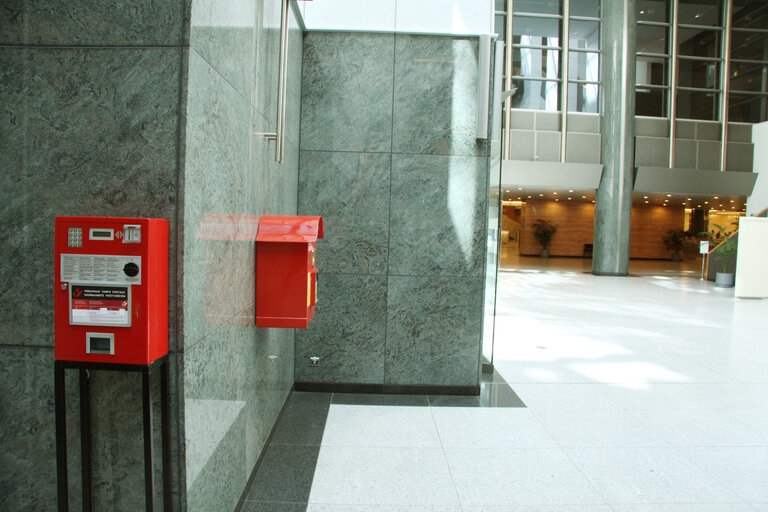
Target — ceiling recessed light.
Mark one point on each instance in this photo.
(716, 197)
(733, 201)
(569, 198)
(570, 190)
(541, 195)
(669, 195)
(506, 191)
(529, 197)
(554, 193)
(645, 197)
(556, 200)
(583, 197)
(646, 202)
(519, 188)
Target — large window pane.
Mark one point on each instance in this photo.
(584, 66)
(749, 45)
(584, 34)
(536, 31)
(652, 10)
(750, 13)
(651, 102)
(589, 8)
(583, 97)
(651, 71)
(539, 6)
(535, 63)
(697, 105)
(748, 77)
(744, 108)
(700, 74)
(651, 39)
(536, 95)
(699, 42)
(701, 12)
(500, 26)
(500, 5)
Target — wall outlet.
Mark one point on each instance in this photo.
(314, 361)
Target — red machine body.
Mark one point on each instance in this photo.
(286, 274)
(111, 289)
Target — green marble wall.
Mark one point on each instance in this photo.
(142, 109)
(390, 160)
(89, 122)
(236, 376)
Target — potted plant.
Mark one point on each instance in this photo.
(725, 253)
(543, 231)
(673, 241)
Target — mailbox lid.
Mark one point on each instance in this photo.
(290, 228)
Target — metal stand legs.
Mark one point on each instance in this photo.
(85, 431)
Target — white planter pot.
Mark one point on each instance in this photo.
(724, 280)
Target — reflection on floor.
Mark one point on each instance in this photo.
(642, 394)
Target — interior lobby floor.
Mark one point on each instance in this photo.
(645, 393)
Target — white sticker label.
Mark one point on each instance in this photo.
(99, 268)
(100, 305)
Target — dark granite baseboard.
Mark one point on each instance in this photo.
(241, 501)
(386, 388)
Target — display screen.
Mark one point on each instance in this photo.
(102, 234)
(100, 344)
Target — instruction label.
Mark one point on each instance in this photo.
(100, 305)
(98, 268)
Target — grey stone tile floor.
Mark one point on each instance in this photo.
(647, 394)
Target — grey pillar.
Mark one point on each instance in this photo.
(613, 204)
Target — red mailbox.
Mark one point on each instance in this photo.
(286, 275)
(111, 295)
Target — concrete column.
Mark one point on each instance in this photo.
(613, 204)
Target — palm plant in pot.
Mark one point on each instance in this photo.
(543, 231)
(725, 253)
(673, 240)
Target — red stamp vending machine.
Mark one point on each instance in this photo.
(111, 295)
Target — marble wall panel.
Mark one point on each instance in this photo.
(347, 92)
(236, 383)
(217, 176)
(223, 34)
(347, 333)
(28, 437)
(435, 97)
(28, 434)
(433, 331)
(84, 132)
(267, 59)
(351, 192)
(295, 65)
(236, 376)
(91, 22)
(438, 219)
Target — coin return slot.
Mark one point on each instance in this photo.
(100, 343)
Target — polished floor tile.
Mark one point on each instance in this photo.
(314, 507)
(649, 475)
(597, 428)
(285, 475)
(639, 394)
(518, 476)
(382, 426)
(688, 507)
(743, 469)
(490, 428)
(383, 476)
